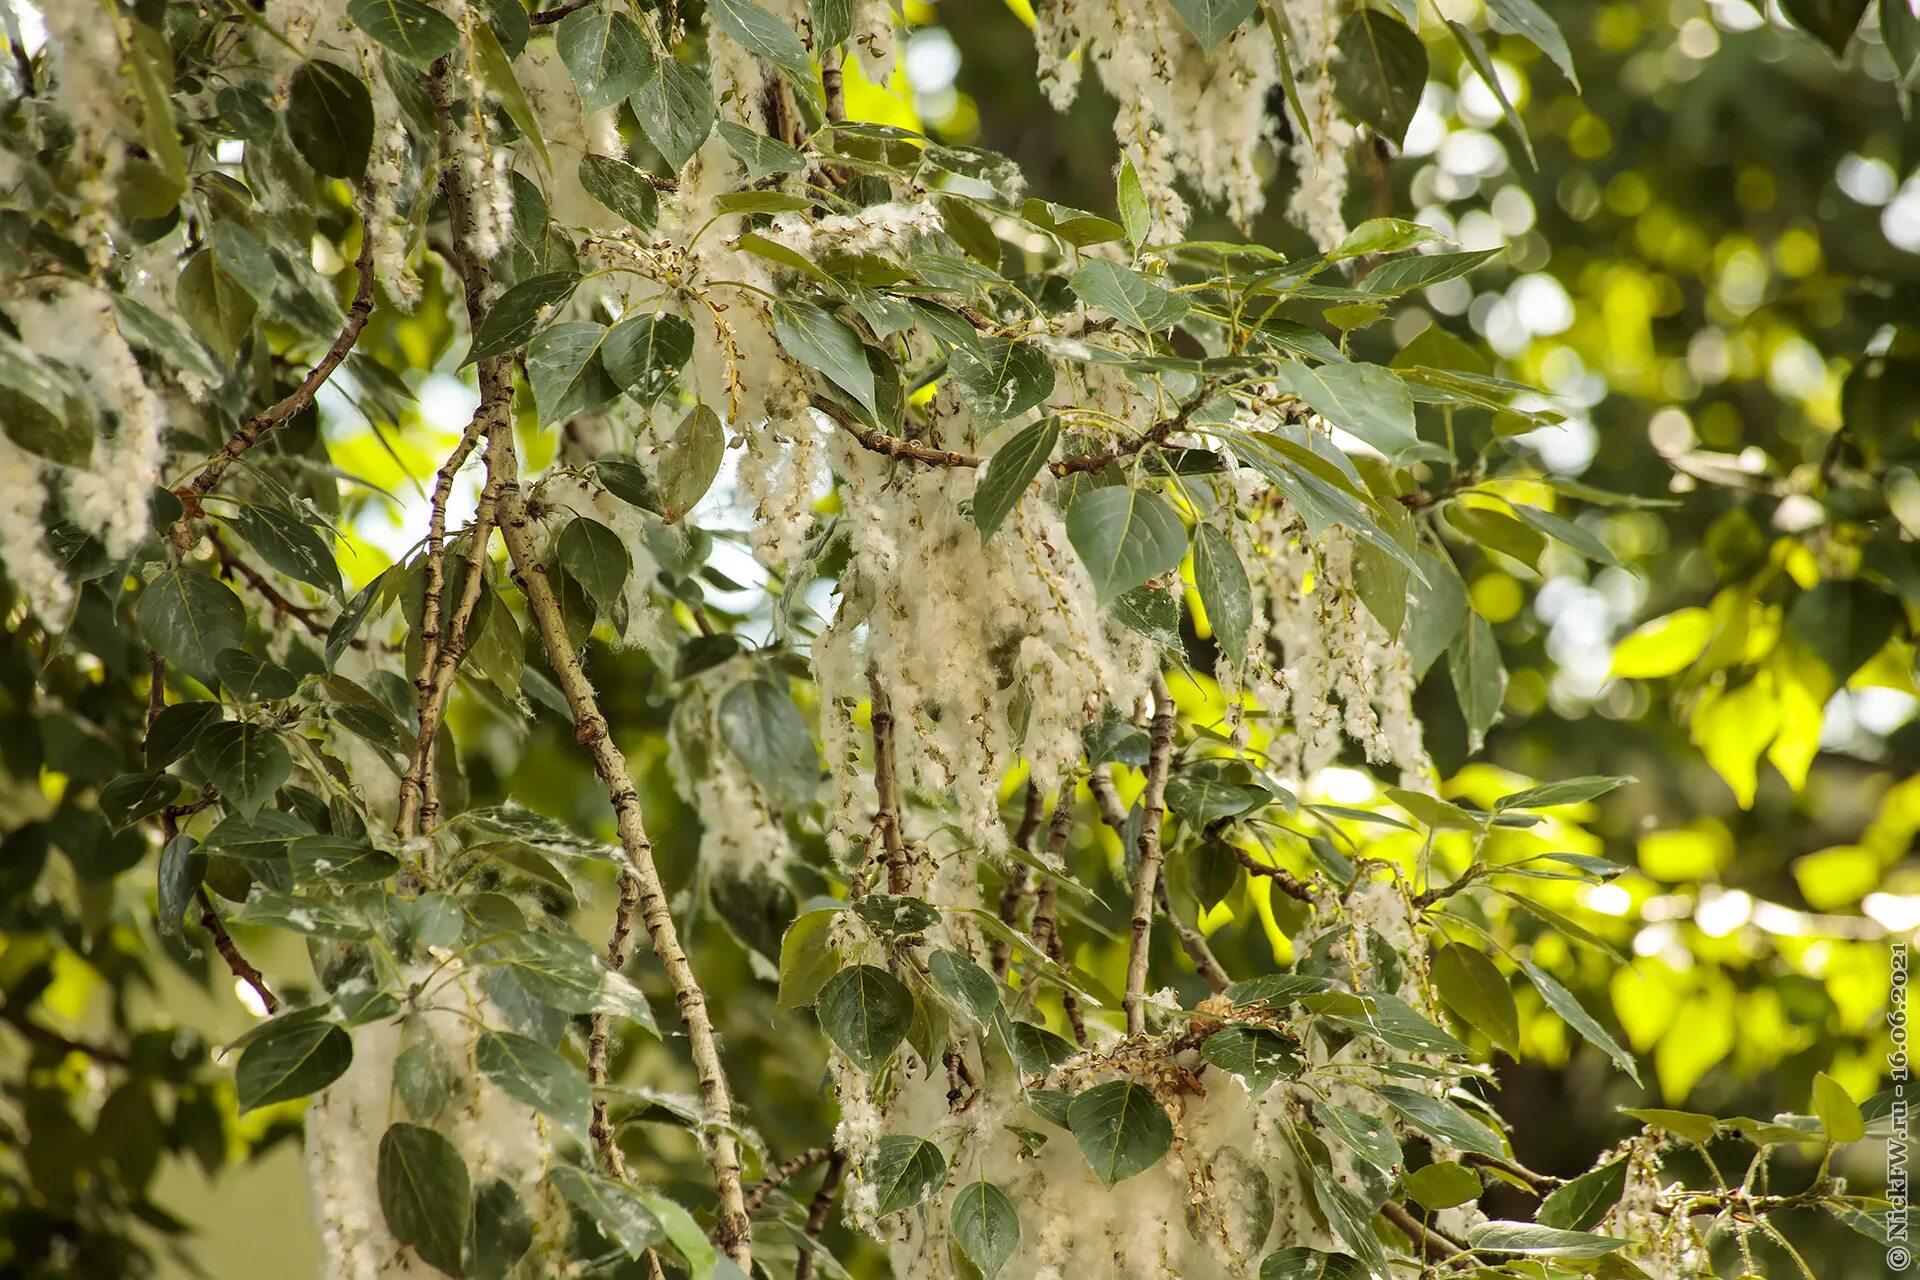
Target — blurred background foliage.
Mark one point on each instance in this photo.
(1709, 267)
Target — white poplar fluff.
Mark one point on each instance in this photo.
(1184, 112)
(74, 326)
(1319, 148)
(497, 1135)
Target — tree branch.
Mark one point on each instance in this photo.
(886, 787)
(783, 1174)
(1014, 892)
(641, 880)
(1191, 941)
(237, 964)
(1153, 803)
(40, 1034)
(817, 1212)
(590, 727)
(548, 16)
(1433, 1246)
(255, 428)
(419, 799)
(1046, 907)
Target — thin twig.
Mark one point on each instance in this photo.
(1014, 893)
(784, 1173)
(255, 428)
(886, 787)
(1046, 907)
(599, 1027)
(1283, 879)
(1191, 940)
(548, 16)
(1153, 812)
(817, 1212)
(232, 566)
(40, 1034)
(440, 664)
(1432, 1245)
(237, 963)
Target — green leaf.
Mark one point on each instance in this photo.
(965, 983)
(1443, 1185)
(1301, 1263)
(1437, 609)
(645, 354)
(291, 1059)
(1567, 791)
(675, 108)
(1222, 582)
(1008, 473)
(596, 558)
(1481, 61)
(1000, 379)
(687, 1236)
(289, 545)
(1134, 215)
(808, 958)
(517, 313)
(1121, 1127)
(150, 64)
(1580, 1205)
(1382, 235)
(1546, 1242)
(408, 28)
(1479, 681)
(1212, 21)
(499, 1233)
(1127, 296)
(1393, 1021)
(1077, 227)
(866, 1011)
(1033, 1048)
(761, 726)
(690, 461)
(246, 761)
(1531, 21)
(764, 157)
(161, 337)
(314, 917)
(985, 1226)
(1397, 275)
(1832, 22)
(496, 71)
(1369, 1138)
(133, 796)
(536, 1075)
(1562, 1002)
(1474, 988)
(338, 860)
(621, 188)
(1380, 74)
(1275, 989)
(619, 1211)
(1440, 1119)
(564, 369)
(607, 54)
(904, 1171)
(425, 1194)
(1124, 537)
(559, 969)
(182, 865)
(217, 307)
(1689, 1125)
(1839, 1113)
(758, 30)
(1367, 400)
(1900, 33)
(330, 119)
(1351, 1219)
(818, 339)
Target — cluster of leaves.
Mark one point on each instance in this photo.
(233, 753)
